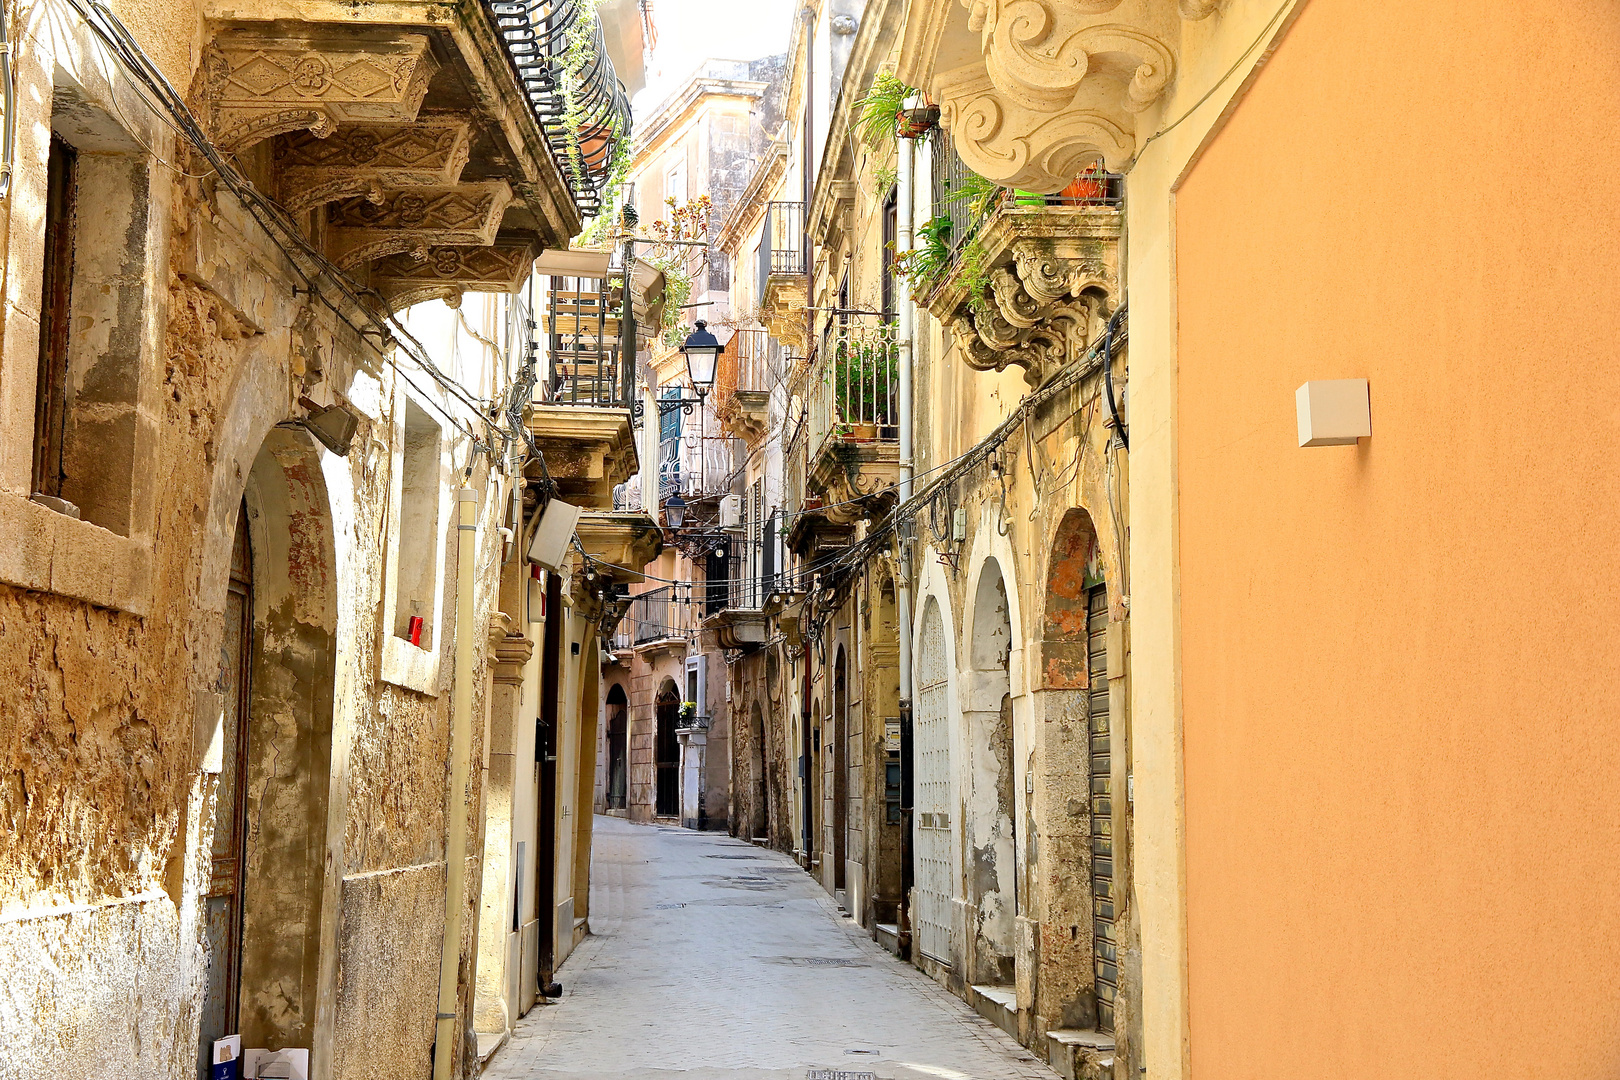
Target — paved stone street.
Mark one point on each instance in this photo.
(712, 958)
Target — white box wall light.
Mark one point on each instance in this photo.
(1333, 412)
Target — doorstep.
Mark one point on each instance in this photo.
(997, 1004)
(488, 1043)
(888, 936)
(1080, 1054)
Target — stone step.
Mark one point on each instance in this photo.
(997, 1004)
(1080, 1054)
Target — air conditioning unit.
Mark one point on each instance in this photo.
(731, 512)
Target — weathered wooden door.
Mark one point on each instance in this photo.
(1104, 943)
(932, 747)
(222, 905)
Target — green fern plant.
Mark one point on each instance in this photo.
(878, 111)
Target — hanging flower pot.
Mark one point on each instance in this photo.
(916, 122)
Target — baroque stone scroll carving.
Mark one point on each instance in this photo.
(1059, 85)
(255, 85)
(415, 219)
(1041, 312)
(368, 159)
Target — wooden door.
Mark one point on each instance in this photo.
(222, 904)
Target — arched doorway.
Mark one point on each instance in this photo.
(267, 922)
(759, 813)
(990, 845)
(838, 734)
(618, 760)
(1079, 976)
(667, 751)
(931, 739)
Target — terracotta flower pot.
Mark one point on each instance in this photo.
(915, 123)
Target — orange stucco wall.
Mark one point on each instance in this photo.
(1401, 660)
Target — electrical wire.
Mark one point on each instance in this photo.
(1244, 55)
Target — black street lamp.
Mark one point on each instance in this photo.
(675, 510)
(702, 351)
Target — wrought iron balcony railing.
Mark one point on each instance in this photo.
(581, 326)
(852, 385)
(561, 59)
(662, 613)
(967, 199)
(781, 243)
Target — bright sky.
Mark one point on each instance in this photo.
(691, 31)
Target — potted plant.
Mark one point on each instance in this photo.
(917, 120)
(688, 713)
(891, 108)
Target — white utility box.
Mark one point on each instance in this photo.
(1333, 412)
(549, 547)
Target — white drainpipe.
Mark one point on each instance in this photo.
(444, 1039)
(905, 333)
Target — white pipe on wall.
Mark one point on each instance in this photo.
(906, 334)
(444, 1039)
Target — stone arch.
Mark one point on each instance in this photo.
(618, 748)
(989, 799)
(290, 889)
(1066, 987)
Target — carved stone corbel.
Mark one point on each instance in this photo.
(447, 272)
(1058, 85)
(257, 84)
(1049, 276)
(415, 220)
(1040, 311)
(366, 160)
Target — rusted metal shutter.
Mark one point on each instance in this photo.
(1104, 944)
(932, 748)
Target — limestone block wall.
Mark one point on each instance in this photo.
(110, 655)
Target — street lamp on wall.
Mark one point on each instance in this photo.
(702, 351)
(675, 511)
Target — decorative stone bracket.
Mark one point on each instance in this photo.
(367, 160)
(256, 84)
(445, 272)
(415, 219)
(1057, 84)
(1052, 283)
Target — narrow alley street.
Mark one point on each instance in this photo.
(712, 958)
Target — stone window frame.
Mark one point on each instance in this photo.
(404, 664)
(60, 88)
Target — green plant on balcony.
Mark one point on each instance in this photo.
(978, 196)
(877, 113)
(863, 374)
(923, 266)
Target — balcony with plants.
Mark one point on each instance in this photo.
(850, 438)
(1020, 278)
